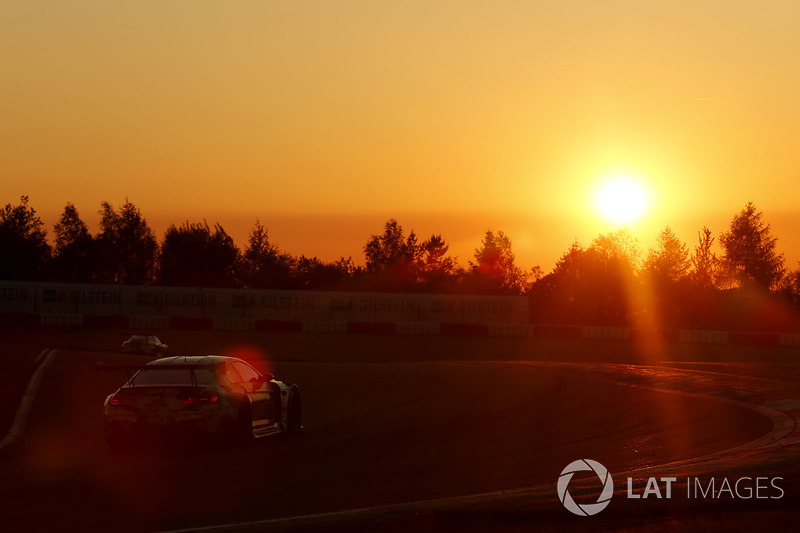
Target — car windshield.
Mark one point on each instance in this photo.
(179, 376)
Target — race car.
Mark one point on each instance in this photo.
(208, 395)
(146, 344)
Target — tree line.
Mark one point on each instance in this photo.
(610, 281)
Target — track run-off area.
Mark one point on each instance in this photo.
(391, 432)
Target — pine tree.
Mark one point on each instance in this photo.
(751, 256)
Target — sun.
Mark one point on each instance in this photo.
(621, 199)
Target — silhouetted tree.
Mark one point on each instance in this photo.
(536, 274)
(789, 287)
(580, 289)
(593, 285)
(263, 265)
(393, 260)
(557, 295)
(195, 256)
(704, 261)
(438, 270)
(23, 245)
(620, 250)
(750, 251)
(494, 270)
(127, 247)
(665, 272)
(74, 254)
(669, 261)
(316, 274)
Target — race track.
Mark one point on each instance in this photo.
(375, 434)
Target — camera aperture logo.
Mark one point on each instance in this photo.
(587, 509)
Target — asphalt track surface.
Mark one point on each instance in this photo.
(376, 434)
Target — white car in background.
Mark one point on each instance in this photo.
(145, 344)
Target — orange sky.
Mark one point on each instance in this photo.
(324, 119)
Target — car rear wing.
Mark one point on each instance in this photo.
(131, 370)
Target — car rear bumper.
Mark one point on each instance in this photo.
(131, 424)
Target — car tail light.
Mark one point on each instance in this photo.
(194, 397)
(122, 398)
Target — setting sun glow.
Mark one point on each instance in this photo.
(324, 122)
(621, 199)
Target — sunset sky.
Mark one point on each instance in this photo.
(324, 119)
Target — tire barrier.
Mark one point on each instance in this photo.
(278, 325)
(148, 322)
(760, 339)
(703, 337)
(319, 326)
(105, 321)
(20, 319)
(654, 335)
(419, 328)
(380, 328)
(465, 329)
(61, 319)
(557, 331)
(294, 305)
(789, 339)
(182, 322)
(541, 331)
(235, 324)
(604, 332)
(511, 330)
